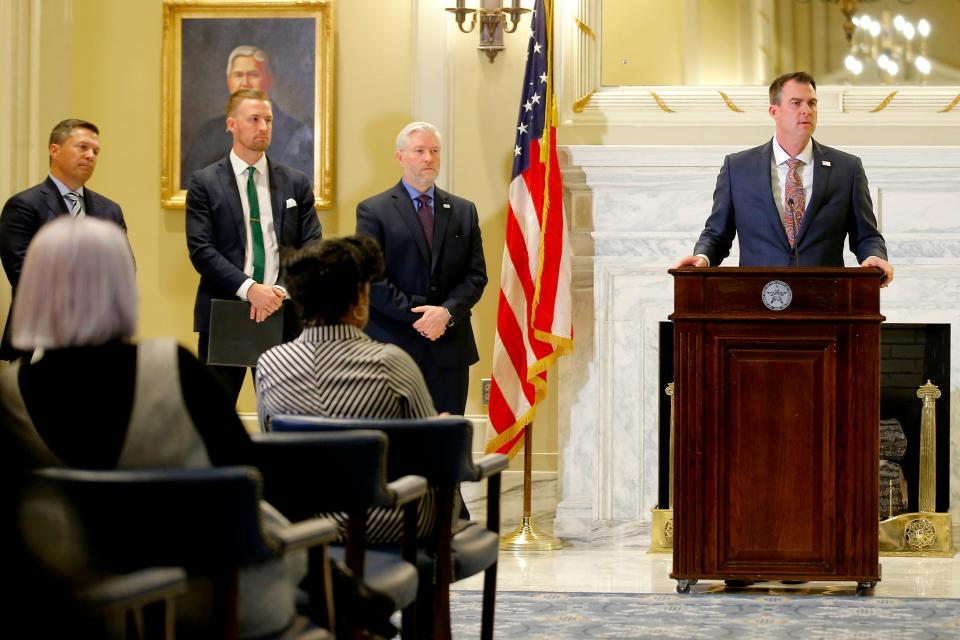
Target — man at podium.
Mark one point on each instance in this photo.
(792, 201)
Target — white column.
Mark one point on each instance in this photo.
(433, 77)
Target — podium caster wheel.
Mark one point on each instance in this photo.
(864, 587)
(683, 586)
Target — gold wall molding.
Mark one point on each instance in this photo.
(884, 103)
(840, 105)
(585, 28)
(953, 103)
(580, 104)
(730, 103)
(660, 102)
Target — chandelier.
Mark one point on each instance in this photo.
(891, 48)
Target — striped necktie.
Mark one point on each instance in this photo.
(76, 209)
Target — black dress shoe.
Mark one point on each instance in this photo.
(738, 584)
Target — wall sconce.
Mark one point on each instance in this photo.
(494, 21)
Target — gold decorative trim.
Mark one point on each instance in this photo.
(581, 102)
(660, 103)
(923, 535)
(661, 531)
(884, 103)
(730, 104)
(585, 28)
(952, 104)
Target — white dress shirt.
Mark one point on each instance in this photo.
(779, 170)
(271, 255)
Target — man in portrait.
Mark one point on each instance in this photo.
(248, 67)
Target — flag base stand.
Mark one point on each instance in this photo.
(527, 537)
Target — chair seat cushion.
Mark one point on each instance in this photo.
(474, 548)
(386, 573)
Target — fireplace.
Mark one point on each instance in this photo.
(633, 210)
(910, 354)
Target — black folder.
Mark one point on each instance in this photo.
(235, 339)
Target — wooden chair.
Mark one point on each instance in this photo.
(310, 473)
(207, 521)
(439, 449)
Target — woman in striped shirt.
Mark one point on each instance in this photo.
(333, 369)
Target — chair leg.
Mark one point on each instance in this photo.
(226, 592)
(443, 564)
(159, 620)
(489, 600)
(408, 630)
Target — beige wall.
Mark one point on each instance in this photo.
(111, 62)
(115, 81)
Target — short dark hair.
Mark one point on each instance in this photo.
(240, 95)
(324, 276)
(776, 87)
(64, 129)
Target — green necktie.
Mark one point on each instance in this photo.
(256, 234)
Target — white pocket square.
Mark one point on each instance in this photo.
(291, 203)
(826, 163)
(446, 206)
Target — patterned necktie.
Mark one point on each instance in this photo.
(794, 201)
(74, 199)
(256, 234)
(426, 218)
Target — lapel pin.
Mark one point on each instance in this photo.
(446, 205)
(825, 163)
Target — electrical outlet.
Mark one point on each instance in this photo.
(485, 391)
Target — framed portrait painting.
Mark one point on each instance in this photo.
(213, 48)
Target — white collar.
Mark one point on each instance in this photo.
(780, 156)
(64, 189)
(239, 166)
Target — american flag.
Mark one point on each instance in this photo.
(534, 325)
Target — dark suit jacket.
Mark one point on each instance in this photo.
(24, 214)
(839, 207)
(453, 275)
(217, 235)
(291, 145)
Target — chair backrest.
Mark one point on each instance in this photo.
(309, 473)
(203, 519)
(438, 449)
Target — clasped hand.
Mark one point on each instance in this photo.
(264, 301)
(433, 323)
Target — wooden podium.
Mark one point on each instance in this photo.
(776, 446)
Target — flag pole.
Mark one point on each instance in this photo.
(527, 537)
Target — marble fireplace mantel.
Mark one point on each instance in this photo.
(633, 210)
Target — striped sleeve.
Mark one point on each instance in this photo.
(404, 378)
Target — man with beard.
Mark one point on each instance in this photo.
(240, 211)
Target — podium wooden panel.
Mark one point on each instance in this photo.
(776, 444)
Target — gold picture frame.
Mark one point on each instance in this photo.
(199, 38)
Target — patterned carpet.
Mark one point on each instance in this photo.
(549, 616)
